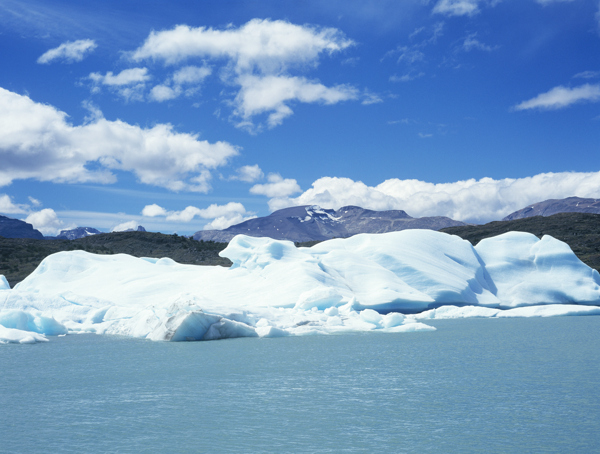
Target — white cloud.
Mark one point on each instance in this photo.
(277, 186)
(186, 79)
(457, 7)
(37, 142)
(472, 43)
(249, 174)
(153, 211)
(164, 93)
(191, 75)
(125, 77)
(271, 93)
(70, 52)
(129, 83)
(35, 202)
(222, 222)
(8, 207)
(222, 216)
(587, 75)
(548, 2)
(261, 44)
(258, 57)
(471, 200)
(406, 77)
(46, 221)
(371, 98)
(125, 226)
(409, 54)
(560, 97)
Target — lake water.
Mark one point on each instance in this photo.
(478, 385)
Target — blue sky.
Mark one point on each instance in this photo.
(186, 115)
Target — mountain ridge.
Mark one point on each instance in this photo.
(15, 228)
(554, 206)
(313, 223)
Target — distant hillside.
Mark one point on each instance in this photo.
(79, 232)
(20, 256)
(14, 228)
(313, 223)
(554, 206)
(581, 231)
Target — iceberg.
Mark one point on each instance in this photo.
(390, 282)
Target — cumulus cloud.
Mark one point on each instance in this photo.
(277, 186)
(37, 142)
(263, 45)
(185, 80)
(162, 93)
(126, 226)
(457, 7)
(191, 75)
(222, 216)
(248, 174)
(129, 83)
(273, 93)
(7, 206)
(69, 52)
(476, 201)
(258, 58)
(560, 97)
(153, 211)
(46, 221)
(125, 77)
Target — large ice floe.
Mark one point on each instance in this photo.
(390, 282)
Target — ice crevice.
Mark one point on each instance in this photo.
(391, 282)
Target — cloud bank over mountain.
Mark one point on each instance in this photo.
(476, 201)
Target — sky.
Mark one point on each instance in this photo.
(188, 115)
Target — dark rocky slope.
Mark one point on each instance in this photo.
(14, 228)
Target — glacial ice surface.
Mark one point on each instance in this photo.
(390, 282)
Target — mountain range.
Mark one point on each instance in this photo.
(79, 232)
(313, 223)
(14, 228)
(554, 206)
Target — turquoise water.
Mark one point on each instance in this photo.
(479, 385)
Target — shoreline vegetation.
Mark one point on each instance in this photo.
(20, 256)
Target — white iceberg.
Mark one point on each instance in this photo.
(364, 283)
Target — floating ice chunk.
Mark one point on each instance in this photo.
(17, 336)
(184, 326)
(392, 319)
(228, 329)
(35, 322)
(271, 331)
(528, 271)
(371, 316)
(4, 283)
(332, 311)
(319, 298)
(445, 312)
(410, 328)
(363, 283)
(550, 310)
